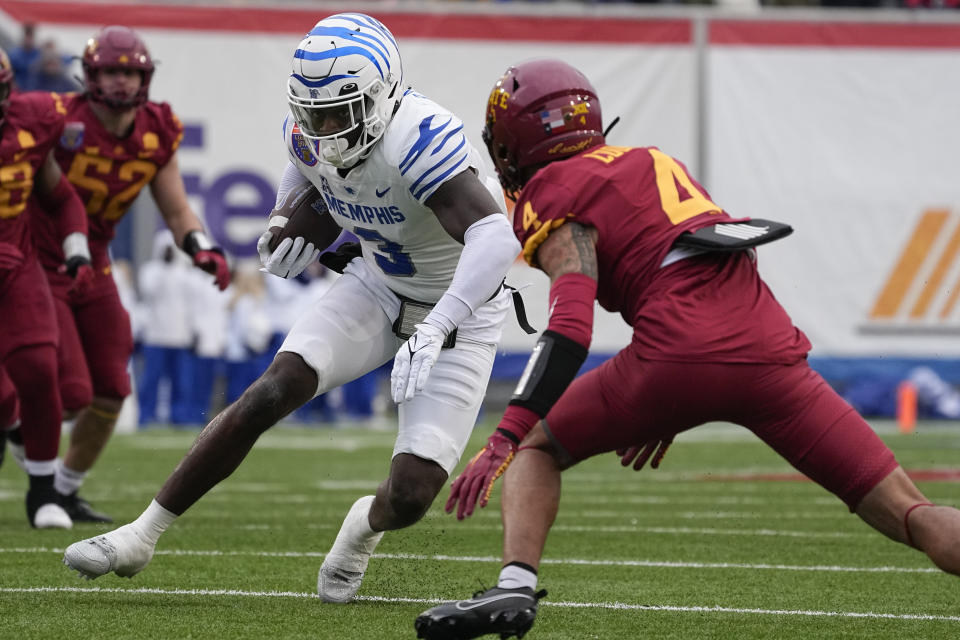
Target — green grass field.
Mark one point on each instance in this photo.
(696, 549)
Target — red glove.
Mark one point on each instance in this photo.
(627, 455)
(482, 471)
(80, 269)
(213, 262)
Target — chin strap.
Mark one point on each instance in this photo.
(612, 125)
(906, 521)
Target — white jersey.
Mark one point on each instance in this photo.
(381, 200)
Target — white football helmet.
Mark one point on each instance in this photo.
(345, 85)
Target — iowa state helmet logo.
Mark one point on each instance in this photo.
(72, 137)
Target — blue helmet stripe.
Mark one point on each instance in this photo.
(463, 142)
(322, 82)
(337, 53)
(363, 20)
(346, 34)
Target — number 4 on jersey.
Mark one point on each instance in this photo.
(669, 175)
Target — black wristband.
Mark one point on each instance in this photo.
(552, 367)
(73, 263)
(509, 435)
(195, 241)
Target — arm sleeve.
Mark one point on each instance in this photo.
(489, 249)
(289, 181)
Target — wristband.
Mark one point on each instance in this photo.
(75, 246)
(195, 241)
(517, 422)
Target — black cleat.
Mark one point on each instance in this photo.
(80, 510)
(43, 508)
(509, 612)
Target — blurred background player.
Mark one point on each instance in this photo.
(30, 125)
(114, 143)
(710, 343)
(431, 227)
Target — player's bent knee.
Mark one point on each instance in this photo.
(414, 483)
(75, 396)
(105, 410)
(410, 501)
(107, 404)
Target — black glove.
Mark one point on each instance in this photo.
(339, 259)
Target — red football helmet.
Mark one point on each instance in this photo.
(116, 47)
(538, 112)
(6, 83)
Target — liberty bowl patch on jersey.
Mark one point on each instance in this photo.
(72, 136)
(302, 148)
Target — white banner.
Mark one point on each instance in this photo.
(855, 147)
(846, 131)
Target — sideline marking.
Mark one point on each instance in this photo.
(578, 605)
(668, 564)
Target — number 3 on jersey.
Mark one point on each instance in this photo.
(669, 175)
(393, 261)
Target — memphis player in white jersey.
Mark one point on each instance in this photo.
(397, 171)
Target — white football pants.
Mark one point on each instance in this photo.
(348, 333)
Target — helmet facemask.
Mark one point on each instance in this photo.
(343, 128)
(119, 48)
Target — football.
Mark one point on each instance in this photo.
(307, 216)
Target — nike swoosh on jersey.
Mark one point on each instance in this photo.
(380, 194)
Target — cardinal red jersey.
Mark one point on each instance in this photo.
(33, 123)
(108, 172)
(709, 308)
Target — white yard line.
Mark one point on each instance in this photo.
(668, 564)
(620, 606)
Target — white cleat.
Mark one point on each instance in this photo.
(122, 551)
(342, 570)
(51, 516)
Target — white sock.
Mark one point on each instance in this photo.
(40, 467)
(514, 577)
(66, 480)
(154, 521)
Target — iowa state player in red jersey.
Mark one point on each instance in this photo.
(115, 142)
(30, 124)
(710, 343)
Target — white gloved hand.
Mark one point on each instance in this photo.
(290, 257)
(414, 360)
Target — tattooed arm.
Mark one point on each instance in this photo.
(569, 249)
